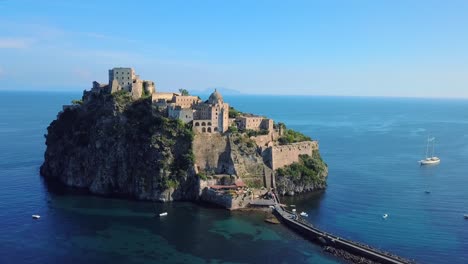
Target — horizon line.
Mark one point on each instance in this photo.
(265, 94)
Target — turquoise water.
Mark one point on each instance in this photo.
(371, 145)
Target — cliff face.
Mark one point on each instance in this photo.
(112, 145)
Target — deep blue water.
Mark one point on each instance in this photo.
(371, 145)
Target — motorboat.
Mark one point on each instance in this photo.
(35, 216)
(465, 216)
(304, 214)
(385, 216)
(163, 214)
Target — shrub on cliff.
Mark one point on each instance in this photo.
(309, 170)
(233, 113)
(290, 136)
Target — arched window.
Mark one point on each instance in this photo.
(203, 130)
(197, 124)
(209, 123)
(203, 124)
(215, 129)
(209, 130)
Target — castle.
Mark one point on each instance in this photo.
(211, 116)
(252, 155)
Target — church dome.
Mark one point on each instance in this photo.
(215, 98)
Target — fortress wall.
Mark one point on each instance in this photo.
(262, 140)
(212, 153)
(287, 154)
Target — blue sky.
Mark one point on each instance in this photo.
(361, 48)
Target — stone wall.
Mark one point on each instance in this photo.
(184, 114)
(283, 155)
(149, 87)
(185, 101)
(224, 199)
(212, 153)
(137, 89)
(165, 96)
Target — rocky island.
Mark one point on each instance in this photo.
(125, 138)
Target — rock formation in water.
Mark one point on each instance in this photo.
(116, 144)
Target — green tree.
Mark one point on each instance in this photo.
(184, 92)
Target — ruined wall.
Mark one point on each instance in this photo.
(149, 87)
(137, 89)
(283, 155)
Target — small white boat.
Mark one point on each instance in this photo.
(293, 210)
(465, 216)
(35, 216)
(292, 205)
(304, 214)
(163, 214)
(385, 216)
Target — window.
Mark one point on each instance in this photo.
(203, 124)
(203, 130)
(209, 130)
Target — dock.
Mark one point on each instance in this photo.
(310, 232)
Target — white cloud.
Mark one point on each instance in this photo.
(15, 43)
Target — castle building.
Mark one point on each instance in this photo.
(212, 115)
(124, 77)
(254, 123)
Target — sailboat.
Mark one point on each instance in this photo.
(430, 160)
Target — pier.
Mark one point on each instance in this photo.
(310, 232)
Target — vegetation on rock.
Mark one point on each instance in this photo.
(310, 170)
(290, 136)
(184, 92)
(233, 113)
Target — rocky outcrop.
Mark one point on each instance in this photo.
(113, 145)
(308, 174)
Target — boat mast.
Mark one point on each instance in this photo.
(433, 144)
(427, 146)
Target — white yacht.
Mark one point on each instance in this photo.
(430, 159)
(35, 216)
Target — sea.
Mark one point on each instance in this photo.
(371, 145)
